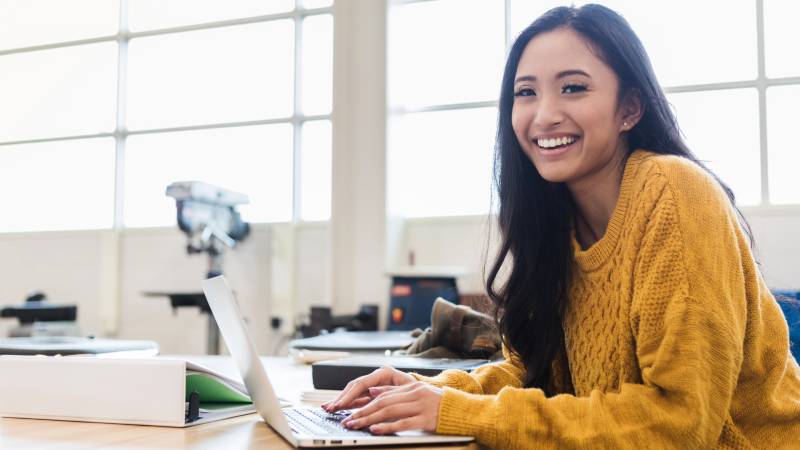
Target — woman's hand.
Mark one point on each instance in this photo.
(412, 406)
(357, 393)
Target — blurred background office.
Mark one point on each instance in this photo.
(361, 130)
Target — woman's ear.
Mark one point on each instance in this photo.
(631, 110)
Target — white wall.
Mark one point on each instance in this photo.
(455, 242)
(156, 260)
(66, 266)
(311, 265)
(71, 268)
(75, 268)
(461, 241)
(777, 238)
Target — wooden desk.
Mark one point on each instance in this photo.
(246, 432)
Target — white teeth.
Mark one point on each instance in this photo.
(555, 142)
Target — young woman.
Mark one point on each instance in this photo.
(632, 312)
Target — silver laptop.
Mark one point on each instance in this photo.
(302, 427)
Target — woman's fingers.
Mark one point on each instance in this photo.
(394, 395)
(358, 388)
(398, 394)
(411, 423)
(400, 378)
(378, 390)
(418, 402)
(351, 391)
(359, 402)
(389, 413)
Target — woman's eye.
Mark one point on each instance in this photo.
(573, 88)
(524, 92)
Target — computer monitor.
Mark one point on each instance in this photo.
(412, 299)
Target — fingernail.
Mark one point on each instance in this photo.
(375, 428)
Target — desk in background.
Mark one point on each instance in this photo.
(245, 432)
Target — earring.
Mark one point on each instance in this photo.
(625, 124)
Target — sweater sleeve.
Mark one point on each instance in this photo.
(687, 317)
(488, 379)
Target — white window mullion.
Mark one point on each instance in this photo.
(507, 23)
(297, 122)
(120, 130)
(762, 102)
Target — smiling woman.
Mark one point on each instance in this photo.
(632, 311)
(565, 114)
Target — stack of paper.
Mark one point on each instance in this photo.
(318, 396)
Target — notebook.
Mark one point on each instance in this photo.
(144, 391)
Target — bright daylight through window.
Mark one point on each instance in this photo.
(141, 93)
(729, 82)
(138, 94)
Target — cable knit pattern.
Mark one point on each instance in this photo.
(672, 339)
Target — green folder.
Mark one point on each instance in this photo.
(213, 389)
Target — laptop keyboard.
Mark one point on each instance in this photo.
(318, 422)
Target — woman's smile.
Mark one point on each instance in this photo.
(555, 145)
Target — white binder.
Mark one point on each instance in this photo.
(144, 391)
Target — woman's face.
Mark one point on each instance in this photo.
(565, 113)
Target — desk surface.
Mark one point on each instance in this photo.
(245, 432)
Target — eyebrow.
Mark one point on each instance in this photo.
(562, 74)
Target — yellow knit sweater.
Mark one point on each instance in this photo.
(672, 338)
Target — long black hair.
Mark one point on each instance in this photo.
(536, 216)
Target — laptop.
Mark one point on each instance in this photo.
(300, 426)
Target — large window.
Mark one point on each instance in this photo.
(107, 102)
(445, 62)
(730, 82)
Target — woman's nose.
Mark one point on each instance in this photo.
(548, 112)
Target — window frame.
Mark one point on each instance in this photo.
(121, 133)
(761, 83)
